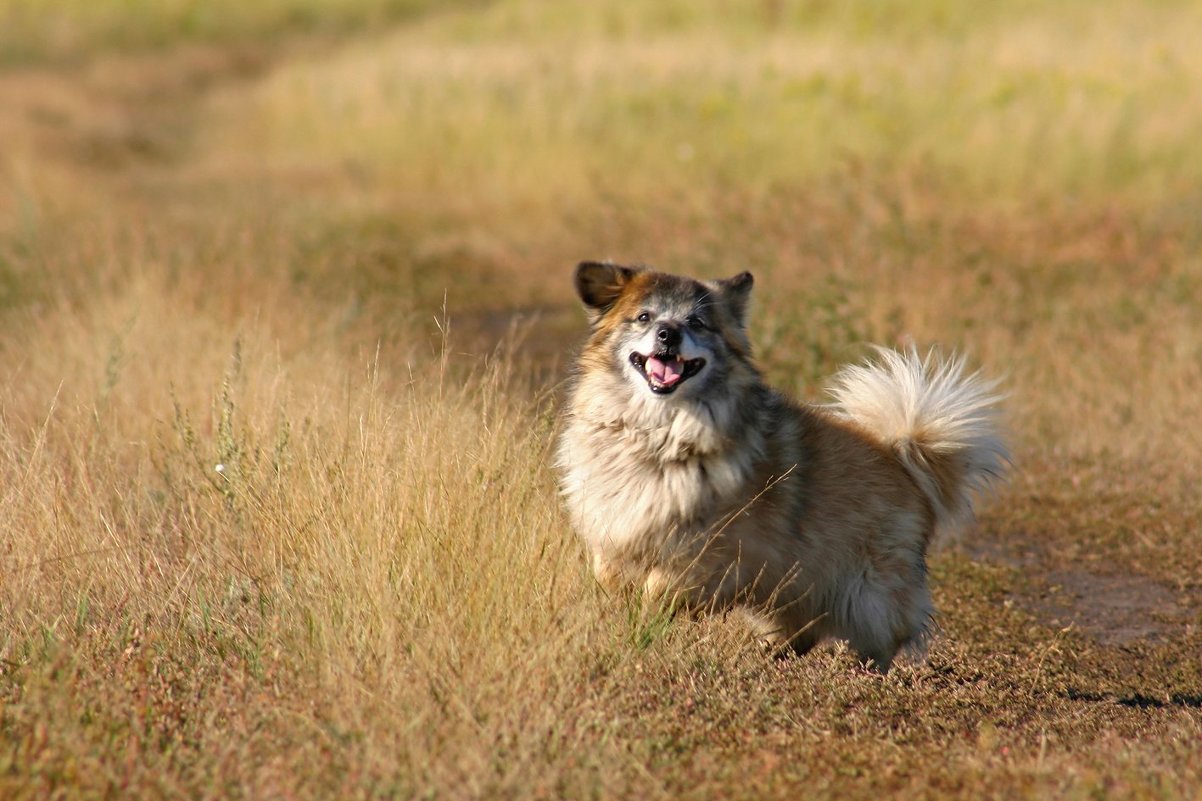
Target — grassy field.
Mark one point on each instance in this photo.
(285, 306)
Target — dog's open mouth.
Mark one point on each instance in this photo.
(665, 371)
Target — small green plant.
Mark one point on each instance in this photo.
(649, 619)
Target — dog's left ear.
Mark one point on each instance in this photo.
(736, 292)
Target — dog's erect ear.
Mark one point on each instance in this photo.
(600, 285)
(736, 291)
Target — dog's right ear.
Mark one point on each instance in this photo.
(599, 286)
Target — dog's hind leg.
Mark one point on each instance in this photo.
(878, 635)
(878, 661)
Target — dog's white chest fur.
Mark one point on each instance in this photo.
(635, 476)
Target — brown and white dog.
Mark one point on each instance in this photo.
(685, 473)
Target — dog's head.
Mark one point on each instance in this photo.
(670, 336)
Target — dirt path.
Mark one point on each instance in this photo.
(1110, 609)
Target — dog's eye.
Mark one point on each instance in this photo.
(695, 322)
(644, 317)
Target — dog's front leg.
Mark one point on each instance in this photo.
(606, 572)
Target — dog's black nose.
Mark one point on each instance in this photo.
(668, 335)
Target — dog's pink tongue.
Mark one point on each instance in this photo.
(666, 373)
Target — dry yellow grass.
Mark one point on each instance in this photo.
(213, 255)
(371, 541)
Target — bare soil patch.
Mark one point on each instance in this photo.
(1109, 608)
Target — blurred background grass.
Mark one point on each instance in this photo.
(36, 32)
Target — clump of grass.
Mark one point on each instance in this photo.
(383, 540)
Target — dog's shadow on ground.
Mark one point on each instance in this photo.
(1138, 700)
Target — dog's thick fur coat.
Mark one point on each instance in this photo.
(684, 472)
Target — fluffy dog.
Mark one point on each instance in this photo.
(684, 472)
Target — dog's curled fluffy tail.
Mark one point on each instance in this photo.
(941, 422)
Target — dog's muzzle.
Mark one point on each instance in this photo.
(665, 370)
